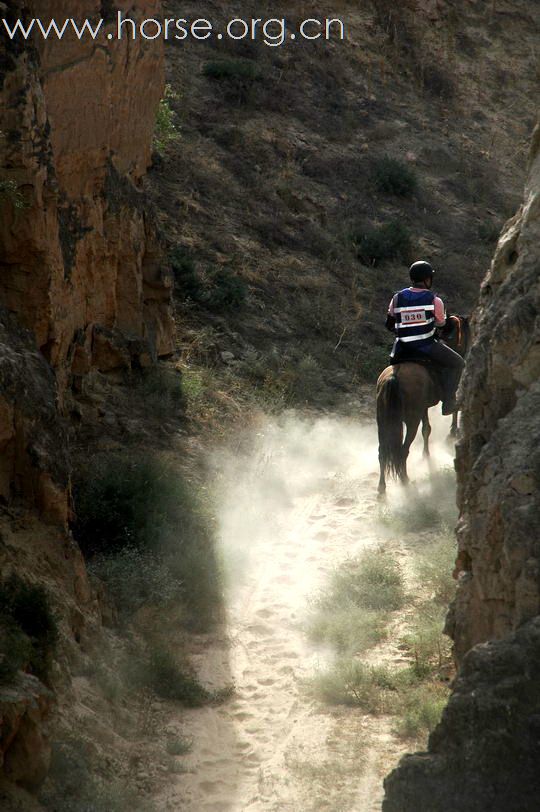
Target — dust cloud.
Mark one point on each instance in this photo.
(295, 500)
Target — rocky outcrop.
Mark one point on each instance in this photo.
(77, 120)
(33, 447)
(25, 751)
(484, 754)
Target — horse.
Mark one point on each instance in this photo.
(405, 392)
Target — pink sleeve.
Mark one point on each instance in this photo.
(391, 307)
(440, 312)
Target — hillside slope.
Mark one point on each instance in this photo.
(272, 174)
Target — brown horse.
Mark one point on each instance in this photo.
(405, 392)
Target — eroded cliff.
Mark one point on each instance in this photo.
(82, 291)
(484, 754)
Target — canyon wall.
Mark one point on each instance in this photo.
(80, 261)
(484, 754)
(81, 290)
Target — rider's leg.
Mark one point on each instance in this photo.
(453, 365)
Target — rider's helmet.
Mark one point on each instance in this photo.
(420, 271)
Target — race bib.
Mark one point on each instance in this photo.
(413, 316)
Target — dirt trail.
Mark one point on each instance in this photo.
(300, 503)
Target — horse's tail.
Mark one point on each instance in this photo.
(390, 425)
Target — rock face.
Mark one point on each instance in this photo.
(80, 262)
(77, 124)
(81, 290)
(484, 754)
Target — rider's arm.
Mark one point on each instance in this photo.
(440, 312)
(390, 318)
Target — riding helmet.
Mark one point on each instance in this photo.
(420, 271)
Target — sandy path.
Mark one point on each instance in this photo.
(292, 509)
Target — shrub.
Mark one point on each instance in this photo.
(169, 681)
(72, 786)
(10, 193)
(372, 362)
(389, 241)
(350, 682)
(135, 578)
(351, 615)
(372, 581)
(165, 128)
(394, 177)
(425, 641)
(179, 746)
(238, 75)
(140, 506)
(438, 81)
(162, 392)
(434, 566)
(421, 710)
(30, 631)
(218, 289)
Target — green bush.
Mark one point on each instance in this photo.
(425, 642)
(165, 128)
(161, 392)
(217, 289)
(72, 785)
(169, 681)
(421, 710)
(389, 241)
(231, 69)
(10, 193)
(374, 689)
(373, 581)
(135, 505)
(394, 177)
(352, 613)
(372, 361)
(29, 629)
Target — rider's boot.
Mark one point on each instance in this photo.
(450, 385)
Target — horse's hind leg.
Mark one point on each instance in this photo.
(412, 430)
(426, 432)
(382, 481)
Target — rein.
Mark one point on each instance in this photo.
(459, 340)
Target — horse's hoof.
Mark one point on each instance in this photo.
(381, 496)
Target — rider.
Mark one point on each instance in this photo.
(414, 315)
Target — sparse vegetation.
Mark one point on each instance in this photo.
(166, 129)
(11, 193)
(161, 391)
(394, 177)
(179, 746)
(72, 785)
(138, 516)
(218, 288)
(389, 241)
(238, 75)
(489, 232)
(28, 629)
(351, 615)
(372, 361)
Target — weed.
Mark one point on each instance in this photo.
(394, 177)
(147, 514)
(231, 69)
(165, 129)
(72, 785)
(389, 241)
(438, 81)
(421, 710)
(372, 361)
(351, 615)
(425, 641)
(350, 682)
(179, 746)
(135, 578)
(372, 581)
(434, 566)
(11, 193)
(162, 393)
(169, 681)
(30, 628)
(216, 289)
